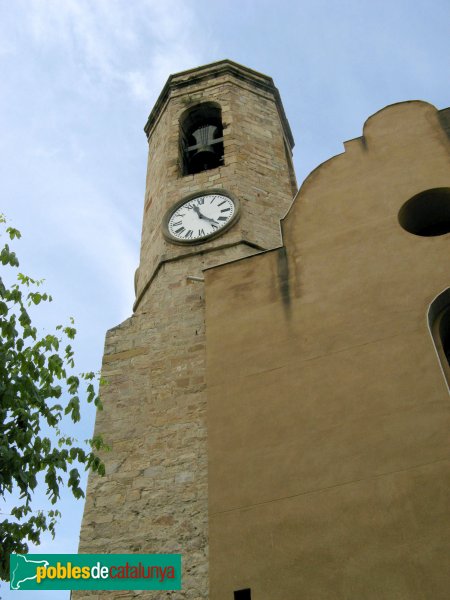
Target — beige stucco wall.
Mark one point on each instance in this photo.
(328, 414)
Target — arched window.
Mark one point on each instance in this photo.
(439, 322)
(201, 138)
(444, 332)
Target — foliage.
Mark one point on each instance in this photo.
(36, 373)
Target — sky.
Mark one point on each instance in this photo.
(78, 80)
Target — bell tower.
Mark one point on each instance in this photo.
(219, 179)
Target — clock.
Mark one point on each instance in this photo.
(200, 217)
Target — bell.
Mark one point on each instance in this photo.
(205, 155)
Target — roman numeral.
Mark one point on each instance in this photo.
(188, 234)
(225, 209)
(201, 232)
(200, 201)
(177, 224)
(214, 226)
(180, 230)
(223, 202)
(222, 218)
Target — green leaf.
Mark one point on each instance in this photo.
(33, 374)
(13, 233)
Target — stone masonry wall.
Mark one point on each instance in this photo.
(153, 498)
(257, 170)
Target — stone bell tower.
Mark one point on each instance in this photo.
(219, 179)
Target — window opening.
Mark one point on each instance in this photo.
(444, 333)
(201, 139)
(427, 214)
(243, 594)
(439, 323)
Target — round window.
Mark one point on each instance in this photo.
(427, 213)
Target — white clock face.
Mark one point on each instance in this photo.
(200, 218)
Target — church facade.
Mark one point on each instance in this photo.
(278, 405)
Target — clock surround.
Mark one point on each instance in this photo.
(209, 214)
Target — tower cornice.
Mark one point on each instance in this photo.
(224, 67)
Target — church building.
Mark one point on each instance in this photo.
(277, 406)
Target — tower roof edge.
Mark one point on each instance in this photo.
(210, 71)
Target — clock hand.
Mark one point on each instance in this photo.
(202, 216)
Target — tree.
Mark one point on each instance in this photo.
(36, 374)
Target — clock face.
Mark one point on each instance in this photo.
(199, 218)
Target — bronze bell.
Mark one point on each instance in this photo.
(205, 155)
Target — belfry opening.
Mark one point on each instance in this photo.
(201, 138)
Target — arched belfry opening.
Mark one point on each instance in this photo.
(201, 138)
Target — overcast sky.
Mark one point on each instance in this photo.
(79, 78)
